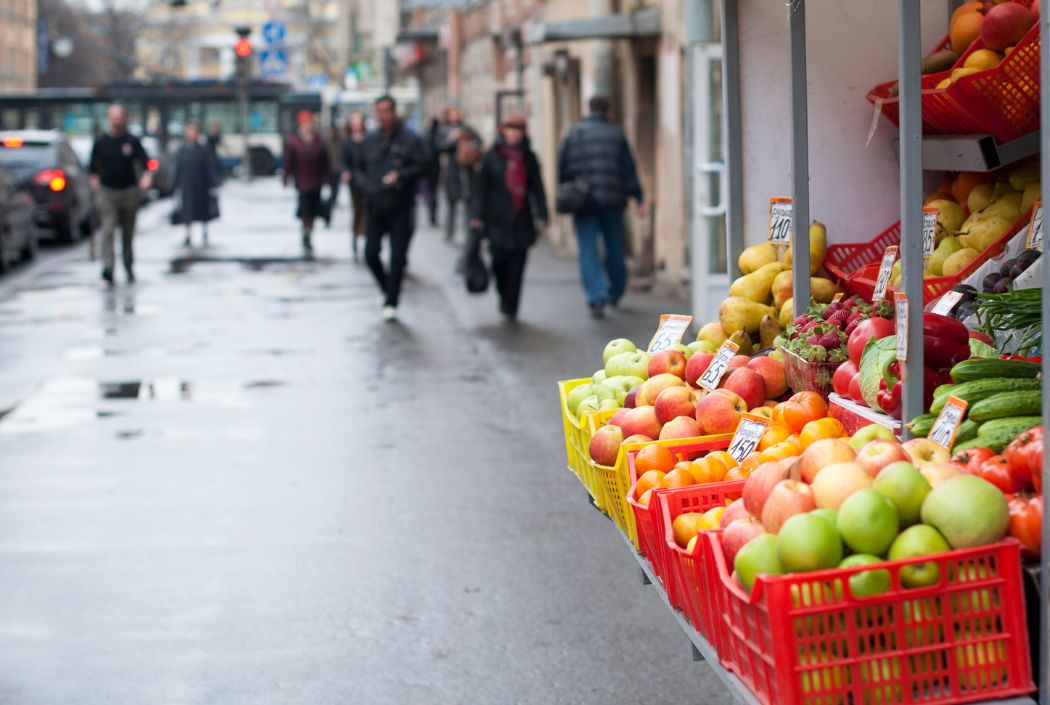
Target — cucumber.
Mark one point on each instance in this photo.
(1015, 424)
(982, 389)
(920, 426)
(1007, 404)
(996, 440)
(967, 431)
(972, 443)
(983, 368)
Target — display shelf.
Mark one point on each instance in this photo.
(973, 152)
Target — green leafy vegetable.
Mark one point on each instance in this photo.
(878, 355)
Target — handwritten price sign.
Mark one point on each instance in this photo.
(717, 367)
(900, 302)
(1035, 228)
(947, 303)
(780, 212)
(947, 423)
(748, 433)
(929, 231)
(885, 270)
(669, 333)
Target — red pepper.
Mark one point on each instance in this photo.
(997, 471)
(971, 459)
(945, 328)
(942, 352)
(889, 398)
(1026, 522)
(1025, 457)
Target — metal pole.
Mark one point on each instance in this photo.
(910, 54)
(1044, 562)
(242, 98)
(799, 155)
(733, 196)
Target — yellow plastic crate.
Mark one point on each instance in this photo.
(578, 433)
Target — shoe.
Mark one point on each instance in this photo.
(389, 313)
(598, 309)
(308, 247)
(107, 275)
(131, 275)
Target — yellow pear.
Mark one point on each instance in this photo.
(1031, 194)
(756, 257)
(739, 314)
(818, 247)
(757, 285)
(957, 261)
(712, 333)
(782, 288)
(950, 217)
(743, 341)
(984, 232)
(980, 197)
(1023, 175)
(945, 247)
(822, 290)
(787, 312)
(768, 329)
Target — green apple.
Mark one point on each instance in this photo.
(757, 557)
(684, 349)
(632, 364)
(870, 433)
(576, 395)
(608, 405)
(904, 485)
(826, 514)
(617, 346)
(808, 542)
(702, 346)
(633, 381)
(588, 405)
(868, 522)
(919, 540)
(605, 391)
(967, 510)
(870, 582)
(622, 385)
(599, 376)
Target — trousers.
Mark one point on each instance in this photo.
(599, 286)
(508, 267)
(118, 206)
(398, 224)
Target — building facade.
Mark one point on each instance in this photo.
(18, 42)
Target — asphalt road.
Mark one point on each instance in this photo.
(234, 483)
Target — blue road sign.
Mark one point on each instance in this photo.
(273, 32)
(272, 62)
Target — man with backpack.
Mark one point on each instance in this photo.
(462, 146)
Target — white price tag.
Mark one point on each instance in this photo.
(672, 328)
(947, 423)
(885, 270)
(929, 231)
(748, 433)
(947, 303)
(837, 297)
(900, 302)
(780, 212)
(717, 367)
(1035, 228)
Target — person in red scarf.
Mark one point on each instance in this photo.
(505, 206)
(306, 165)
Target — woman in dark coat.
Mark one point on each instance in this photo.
(355, 135)
(505, 206)
(195, 179)
(306, 164)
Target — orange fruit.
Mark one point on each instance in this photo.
(965, 28)
(649, 480)
(712, 518)
(653, 457)
(691, 546)
(772, 436)
(778, 414)
(644, 499)
(802, 408)
(964, 183)
(786, 449)
(821, 428)
(793, 438)
(684, 466)
(737, 473)
(679, 478)
(723, 457)
(750, 463)
(966, 7)
(705, 471)
(686, 526)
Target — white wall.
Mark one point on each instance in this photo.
(852, 46)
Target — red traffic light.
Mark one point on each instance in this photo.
(243, 47)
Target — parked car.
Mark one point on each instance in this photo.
(17, 231)
(162, 164)
(58, 182)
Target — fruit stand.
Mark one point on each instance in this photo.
(836, 488)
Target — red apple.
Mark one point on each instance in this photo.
(605, 445)
(1005, 25)
(843, 376)
(821, 453)
(787, 499)
(922, 452)
(638, 438)
(720, 411)
(736, 510)
(697, 365)
(737, 534)
(641, 420)
(855, 392)
(737, 361)
(773, 373)
(651, 388)
(875, 455)
(748, 384)
(617, 418)
(761, 482)
(680, 427)
(667, 362)
(674, 402)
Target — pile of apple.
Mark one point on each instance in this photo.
(839, 506)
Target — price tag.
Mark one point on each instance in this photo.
(837, 297)
(947, 303)
(900, 302)
(717, 367)
(947, 423)
(1035, 228)
(929, 231)
(780, 213)
(672, 328)
(885, 269)
(748, 433)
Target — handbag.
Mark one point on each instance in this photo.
(475, 272)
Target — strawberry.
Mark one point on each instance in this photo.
(838, 319)
(801, 320)
(830, 340)
(814, 339)
(852, 326)
(810, 326)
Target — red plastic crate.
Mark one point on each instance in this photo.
(806, 639)
(688, 570)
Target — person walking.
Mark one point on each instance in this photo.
(118, 177)
(351, 153)
(391, 161)
(596, 152)
(306, 164)
(507, 202)
(195, 181)
(462, 148)
(333, 143)
(213, 139)
(433, 173)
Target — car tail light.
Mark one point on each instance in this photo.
(13, 142)
(152, 164)
(54, 179)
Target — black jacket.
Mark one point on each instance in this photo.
(491, 202)
(351, 155)
(596, 151)
(402, 152)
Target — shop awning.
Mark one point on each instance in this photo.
(643, 23)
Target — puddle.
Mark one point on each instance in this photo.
(264, 384)
(129, 435)
(180, 265)
(161, 389)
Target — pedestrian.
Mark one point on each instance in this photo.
(333, 142)
(195, 181)
(391, 160)
(351, 152)
(213, 140)
(433, 174)
(462, 148)
(119, 177)
(507, 202)
(596, 152)
(306, 164)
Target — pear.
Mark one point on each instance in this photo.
(946, 247)
(950, 217)
(757, 256)
(712, 333)
(980, 197)
(895, 274)
(744, 344)
(783, 286)
(739, 314)
(983, 233)
(787, 312)
(1023, 175)
(757, 285)
(1031, 194)
(957, 261)
(818, 247)
(768, 329)
(822, 290)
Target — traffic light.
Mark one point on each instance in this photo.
(242, 70)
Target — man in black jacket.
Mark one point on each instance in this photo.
(390, 162)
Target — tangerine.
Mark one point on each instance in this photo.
(679, 478)
(653, 457)
(648, 481)
(785, 449)
(826, 427)
(772, 436)
(802, 408)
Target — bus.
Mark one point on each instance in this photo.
(337, 104)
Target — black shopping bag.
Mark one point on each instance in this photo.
(475, 271)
